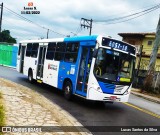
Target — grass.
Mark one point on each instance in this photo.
(2, 114)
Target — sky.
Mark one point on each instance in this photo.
(64, 17)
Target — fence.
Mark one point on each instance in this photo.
(8, 55)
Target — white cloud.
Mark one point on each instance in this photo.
(64, 16)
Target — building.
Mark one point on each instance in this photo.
(147, 41)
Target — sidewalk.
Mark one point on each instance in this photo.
(24, 107)
(145, 96)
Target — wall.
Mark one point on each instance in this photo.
(147, 49)
(145, 63)
(8, 55)
(133, 40)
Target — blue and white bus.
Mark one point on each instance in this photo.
(93, 67)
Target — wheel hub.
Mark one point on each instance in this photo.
(67, 90)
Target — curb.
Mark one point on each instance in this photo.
(8, 66)
(146, 97)
(80, 128)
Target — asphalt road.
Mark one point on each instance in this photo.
(89, 113)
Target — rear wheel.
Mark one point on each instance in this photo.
(30, 76)
(67, 90)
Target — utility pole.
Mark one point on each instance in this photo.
(1, 17)
(151, 68)
(47, 33)
(155, 50)
(86, 23)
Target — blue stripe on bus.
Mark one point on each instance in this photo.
(107, 88)
(65, 73)
(81, 38)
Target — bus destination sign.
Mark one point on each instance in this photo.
(118, 45)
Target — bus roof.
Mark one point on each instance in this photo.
(81, 38)
(66, 39)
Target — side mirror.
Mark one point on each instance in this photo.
(95, 53)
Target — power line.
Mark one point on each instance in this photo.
(29, 21)
(136, 15)
(30, 32)
(132, 11)
(79, 29)
(133, 17)
(119, 18)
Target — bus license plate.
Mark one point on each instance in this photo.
(113, 98)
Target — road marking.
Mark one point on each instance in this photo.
(142, 110)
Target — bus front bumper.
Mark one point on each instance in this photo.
(96, 95)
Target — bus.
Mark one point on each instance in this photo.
(93, 67)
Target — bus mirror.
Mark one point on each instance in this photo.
(95, 53)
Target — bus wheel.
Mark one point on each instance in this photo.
(30, 76)
(67, 90)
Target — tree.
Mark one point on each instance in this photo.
(149, 79)
(6, 37)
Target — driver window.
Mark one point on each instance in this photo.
(125, 66)
(100, 62)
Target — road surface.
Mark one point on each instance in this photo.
(89, 113)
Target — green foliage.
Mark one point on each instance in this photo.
(6, 37)
(2, 114)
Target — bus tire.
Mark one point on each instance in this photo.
(67, 90)
(30, 76)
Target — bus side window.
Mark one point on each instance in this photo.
(60, 49)
(35, 47)
(50, 51)
(71, 52)
(29, 50)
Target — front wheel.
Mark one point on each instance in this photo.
(67, 90)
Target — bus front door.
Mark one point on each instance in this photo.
(42, 52)
(84, 69)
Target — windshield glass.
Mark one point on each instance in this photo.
(113, 65)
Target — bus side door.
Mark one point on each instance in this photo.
(40, 65)
(20, 58)
(84, 69)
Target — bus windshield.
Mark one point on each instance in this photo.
(113, 65)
